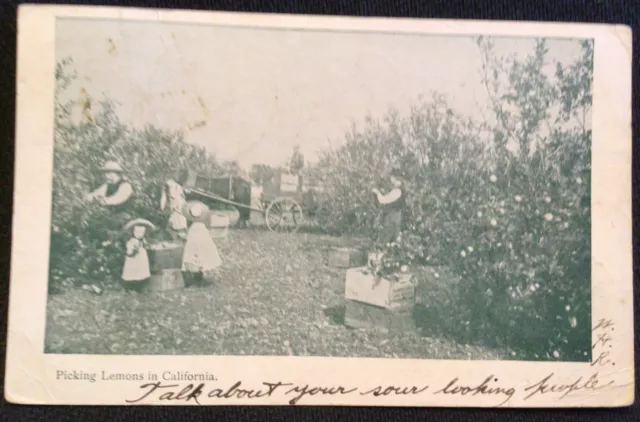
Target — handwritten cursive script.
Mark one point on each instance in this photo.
(548, 386)
(486, 387)
(191, 392)
(196, 393)
(300, 392)
(186, 394)
(393, 390)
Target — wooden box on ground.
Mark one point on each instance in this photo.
(363, 315)
(346, 257)
(219, 224)
(165, 256)
(393, 292)
(169, 279)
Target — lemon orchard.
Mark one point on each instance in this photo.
(503, 203)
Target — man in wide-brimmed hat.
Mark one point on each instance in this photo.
(393, 209)
(114, 198)
(116, 191)
(393, 204)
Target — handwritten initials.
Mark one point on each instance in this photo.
(602, 332)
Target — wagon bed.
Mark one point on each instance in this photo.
(282, 212)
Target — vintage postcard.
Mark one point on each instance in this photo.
(248, 209)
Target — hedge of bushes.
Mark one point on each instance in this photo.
(504, 203)
(81, 147)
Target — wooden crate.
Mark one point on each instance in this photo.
(397, 291)
(169, 279)
(289, 182)
(219, 224)
(165, 256)
(346, 257)
(371, 317)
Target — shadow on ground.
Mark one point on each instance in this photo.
(422, 315)
(335, 314)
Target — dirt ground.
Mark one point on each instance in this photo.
(276, 295)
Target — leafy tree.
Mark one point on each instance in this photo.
(504, 203)
(149, 156)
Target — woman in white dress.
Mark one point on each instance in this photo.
(201, 258)
(135, 271)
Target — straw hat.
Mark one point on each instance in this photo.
(111, 166)
(139, 222)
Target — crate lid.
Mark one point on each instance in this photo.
(164, 245)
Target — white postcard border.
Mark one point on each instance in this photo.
(31, 374)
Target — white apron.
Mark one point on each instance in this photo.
(200, 251)
(136, 266)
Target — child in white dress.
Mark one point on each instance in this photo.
(136, 272)
(201, 258)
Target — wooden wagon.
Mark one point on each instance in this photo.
(232, 190)
(281, 201)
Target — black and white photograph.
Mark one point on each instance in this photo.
(445, 183)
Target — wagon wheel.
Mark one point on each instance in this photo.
(283, 215)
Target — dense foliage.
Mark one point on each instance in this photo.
(81, 147)
(504, 202)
